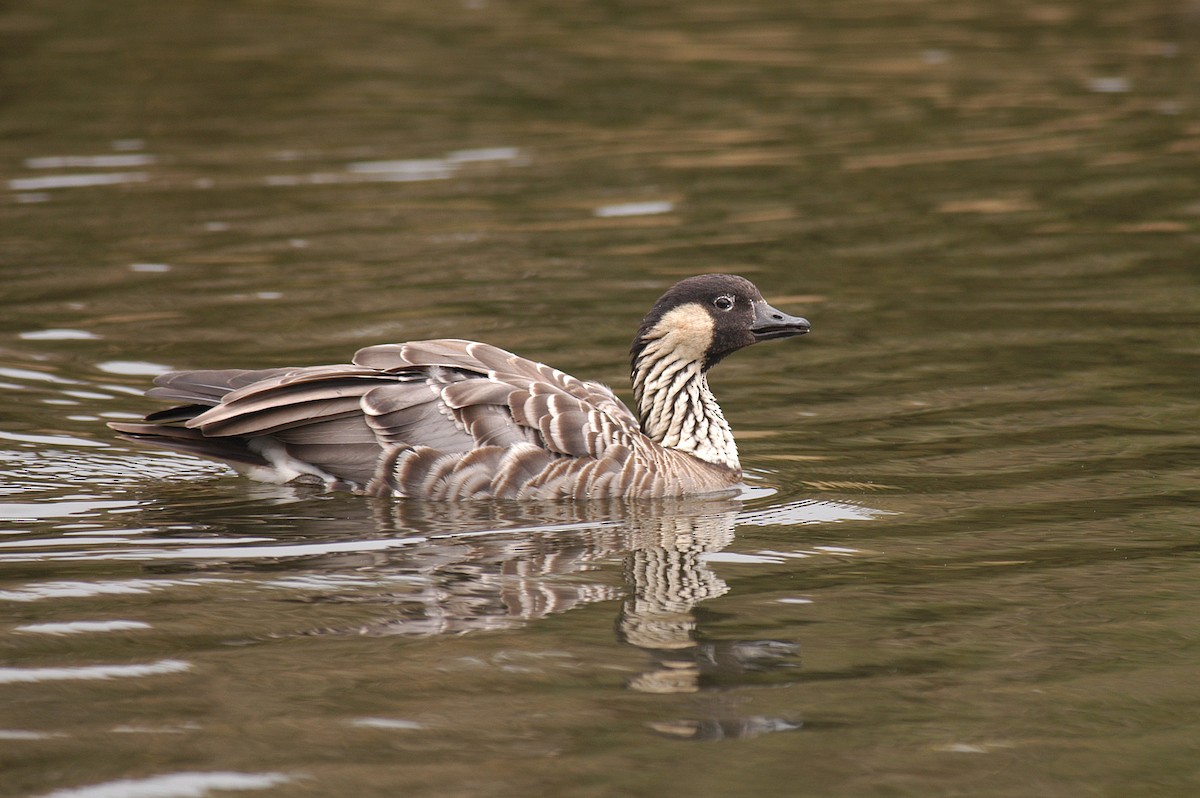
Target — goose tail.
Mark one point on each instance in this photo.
(233, 451)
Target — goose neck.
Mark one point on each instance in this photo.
(677, 409)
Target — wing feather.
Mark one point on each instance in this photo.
(411, 414)
(206, 387)
(489, 425)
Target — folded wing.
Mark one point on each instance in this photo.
(436, 419)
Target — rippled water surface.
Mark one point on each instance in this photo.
(968, 559)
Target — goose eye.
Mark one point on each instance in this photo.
(723, 303)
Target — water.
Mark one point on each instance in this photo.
(966, 564)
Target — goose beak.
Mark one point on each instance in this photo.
(770, 323)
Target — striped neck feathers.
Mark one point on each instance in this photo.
(670, 386)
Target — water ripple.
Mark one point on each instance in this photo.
(92, 672)
(221, 551)
(72, 589)
(174, 785)
(81, 627)
(76, 181)
(386, 723)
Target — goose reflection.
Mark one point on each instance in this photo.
(517, 565)
(475, 582)
(434, 569)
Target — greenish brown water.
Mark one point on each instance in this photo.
(968, 561)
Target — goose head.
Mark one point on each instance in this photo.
(703, 319)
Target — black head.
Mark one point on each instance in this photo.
(712, 315)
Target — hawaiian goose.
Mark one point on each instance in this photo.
(453, 419)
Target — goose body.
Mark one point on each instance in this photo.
(452, 419)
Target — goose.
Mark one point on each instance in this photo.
(452, 419)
